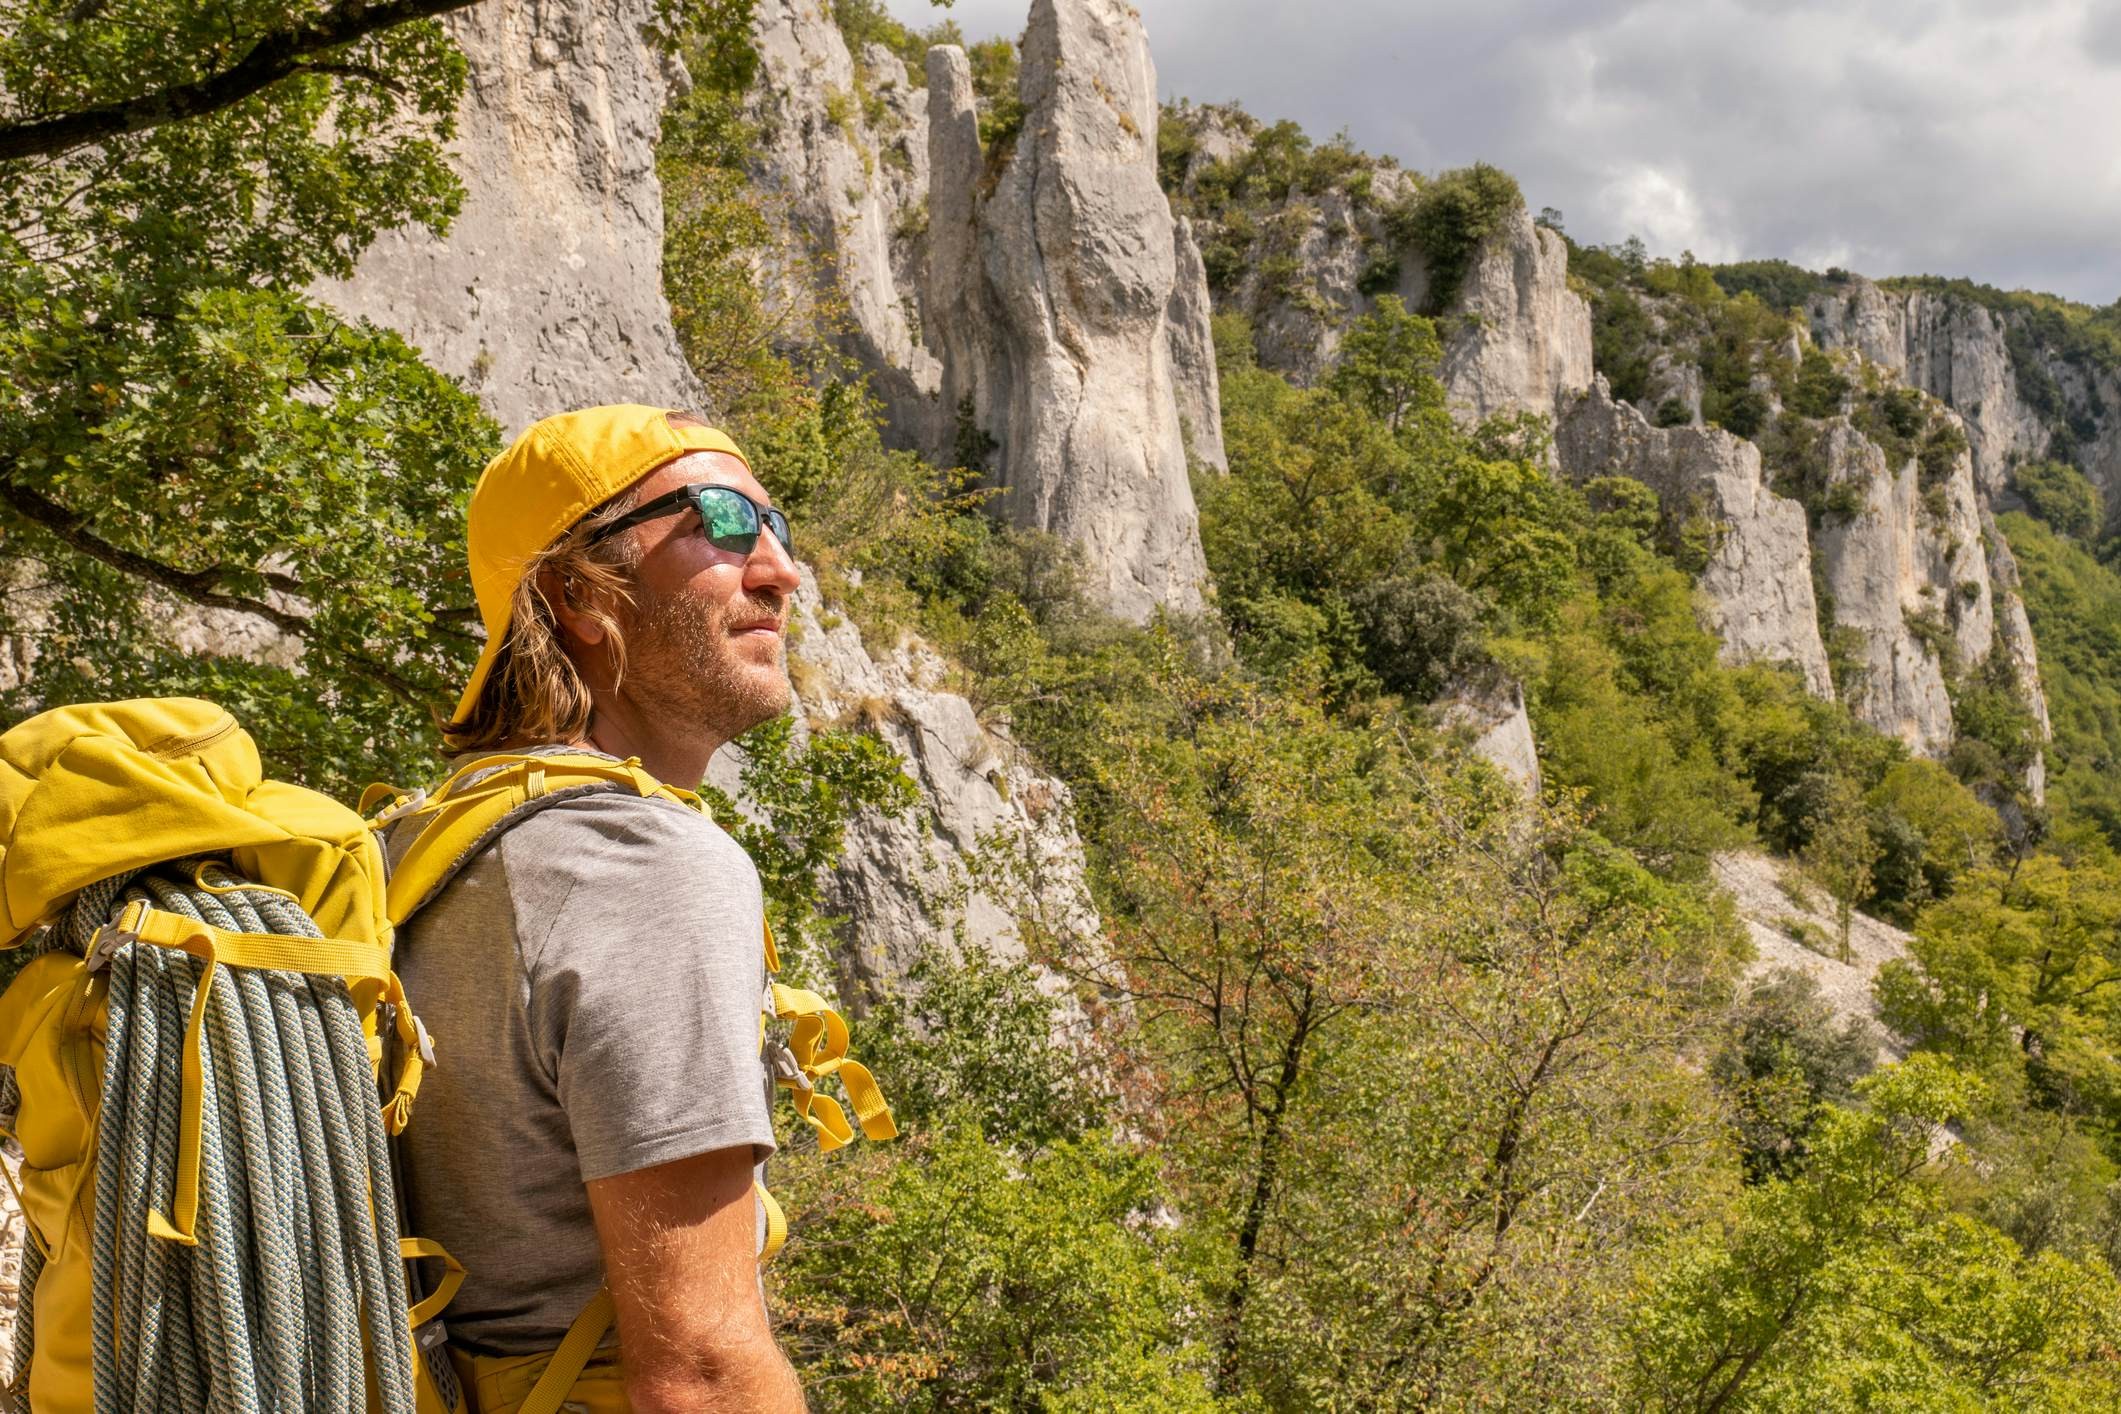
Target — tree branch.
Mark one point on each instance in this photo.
(203, 587)
(273, 57)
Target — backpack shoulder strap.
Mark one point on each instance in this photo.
(465, 814)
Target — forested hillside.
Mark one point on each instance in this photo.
(1376, 1066)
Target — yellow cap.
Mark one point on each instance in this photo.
(559, 470)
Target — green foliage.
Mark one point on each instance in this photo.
(2061, 497)
(967, 1276)
(1785, 1056)
(1930, 829)
(865, 22)
(1850, 1286)
(975, 1039)
(1775, 283)
(1306, 914)
(1447, 218)
(2074, 602)
(187, 431)
(805, 793)
(1841, 852)
(1820, 386)
(1001, 102)
(1388, 365)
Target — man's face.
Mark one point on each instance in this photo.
(704, 634)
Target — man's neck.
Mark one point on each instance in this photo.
(676, 758)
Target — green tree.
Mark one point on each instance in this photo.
(1390, 1008)
(966, 1276)
(184, 433)
(1787, 1055)
(1851, 1286)
(1388, 363)
(1447, 218)
(2062, 496)
(1841, 852)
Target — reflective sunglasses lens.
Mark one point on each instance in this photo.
(731, 522)
(778, 524)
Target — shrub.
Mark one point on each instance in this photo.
(2061, 495)
(1821, 387)
(1421, 632)
(1446, 220)
(1776, 283)
(1744, 413)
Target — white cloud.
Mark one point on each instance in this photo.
(1966, 137)
(1658, 207)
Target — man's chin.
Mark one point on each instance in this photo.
(763, 694)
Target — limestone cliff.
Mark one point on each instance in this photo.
(1918, 589)
(991, 842)
(559, 330)
(1036, 308)
(547, 293)
(1905, 566)
(1757, 583)
(843, 163)
(1049, 296)
(1516, 337)
(2013, 387)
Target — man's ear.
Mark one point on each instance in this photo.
(575, 607)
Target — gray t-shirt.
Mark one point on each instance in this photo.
(592, 982)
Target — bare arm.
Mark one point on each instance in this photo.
(680, 1256)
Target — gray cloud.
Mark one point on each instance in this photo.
(1959, 137)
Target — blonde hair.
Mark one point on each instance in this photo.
(534, 693)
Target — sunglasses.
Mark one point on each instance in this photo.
(730, 518)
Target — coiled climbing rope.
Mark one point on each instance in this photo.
(294, 1291)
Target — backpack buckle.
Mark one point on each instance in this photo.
(781, 1061)
(103, 945)
(404, 805)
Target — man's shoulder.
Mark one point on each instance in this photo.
(621, 833)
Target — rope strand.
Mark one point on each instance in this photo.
(294, 1287)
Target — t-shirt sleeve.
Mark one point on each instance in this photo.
(644, 981)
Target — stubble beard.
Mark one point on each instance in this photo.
(683, 664)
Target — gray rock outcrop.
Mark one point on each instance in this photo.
(1758, 582)
(1496, 728)
(547, 293)
(1190, 337)
(1908, 573)
(1792, 925)
(843, 163)
(991, 844)
(1519, 339)
(1962, 353)
(1049, 297)
(1303, 275)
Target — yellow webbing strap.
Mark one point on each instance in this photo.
(458, 820)
(572, 1356)
(776, 1222)
(275, 952)
(819, 1046)
(431, 1305)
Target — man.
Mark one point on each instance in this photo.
(595, 975)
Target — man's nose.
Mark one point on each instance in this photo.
(770, 566)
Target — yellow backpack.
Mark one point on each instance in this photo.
(92, 794)
(460, 818)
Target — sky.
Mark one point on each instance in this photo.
(1952, 137)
